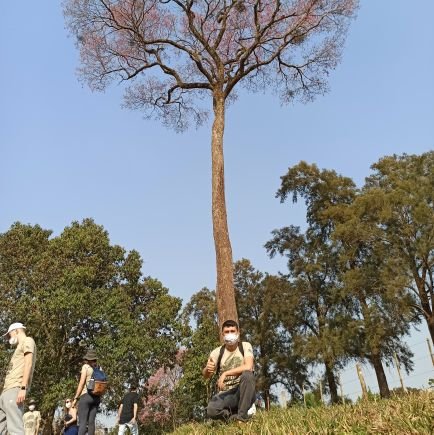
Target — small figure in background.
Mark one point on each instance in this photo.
(32, 419)
(70, 419)
(127, 413)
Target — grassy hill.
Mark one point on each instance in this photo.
(409, 414)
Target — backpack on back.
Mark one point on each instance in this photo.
(98, 383)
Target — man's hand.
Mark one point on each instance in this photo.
(210, 366)
(133, 421)
(21, 397)
(221, 381)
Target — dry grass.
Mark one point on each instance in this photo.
(410, 414)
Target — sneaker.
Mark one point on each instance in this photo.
(252, 410)
(239, 418)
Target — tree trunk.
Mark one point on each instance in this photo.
(47, 423)
(225, 294)
(431, 327)
(331, 383)
(267, 399)
(426, 302)
(381, 376)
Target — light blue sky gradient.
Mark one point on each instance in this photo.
(67, 153)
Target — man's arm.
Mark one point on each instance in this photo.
(135, 413)
(28, 359)
(120, 411)
(38, 420)
(247, 365)
(209, 369)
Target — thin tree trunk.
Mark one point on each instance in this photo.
(381, 376)
(426, 303)
(331, 383)
(47, 419)
(267, 399)
(431, 328)
(225, 294)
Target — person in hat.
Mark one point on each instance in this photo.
(18, 380)
(88, 404)
(32, 419)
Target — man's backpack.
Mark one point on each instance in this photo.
(98, 383)
(212, 385)
(222, 351)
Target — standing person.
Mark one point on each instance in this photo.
(127, 412)
(32, 419)
(70, 418)
(236, 381)
(88, 404)
(17, 381)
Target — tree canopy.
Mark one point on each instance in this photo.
(76, 291)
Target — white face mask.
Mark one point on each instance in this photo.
(231, 338)
(13, 341)
(68, 405)
(32, 407)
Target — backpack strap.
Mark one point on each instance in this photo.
(219, 360)
(222, 351)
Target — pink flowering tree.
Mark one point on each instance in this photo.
(177, 55)
(159, 406)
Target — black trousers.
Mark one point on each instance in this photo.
(87, 408)
(237, 400)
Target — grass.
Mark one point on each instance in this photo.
(409, 414)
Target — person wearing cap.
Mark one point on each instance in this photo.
(32, 419)
(18, 380)
(88, 404)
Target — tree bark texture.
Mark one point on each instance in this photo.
(225, 294)
(381, 376)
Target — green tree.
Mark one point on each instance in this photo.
(382, 308)
(261, 301)
(76, 291)
(314, 302)
(344, 273)
(400, 194)
(201, 336)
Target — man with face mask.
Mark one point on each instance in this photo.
(236, 382)
(17, 381)
(31, 419)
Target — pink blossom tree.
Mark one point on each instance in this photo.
(159, 407)
(176, 53)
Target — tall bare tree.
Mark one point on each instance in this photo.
(173, 52)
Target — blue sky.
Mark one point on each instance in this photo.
(67, 153)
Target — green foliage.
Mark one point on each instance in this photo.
(351, 295)
(76, 291)
(201, 336)
(400, 195)
(262, 302)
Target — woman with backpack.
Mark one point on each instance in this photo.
(88, 403)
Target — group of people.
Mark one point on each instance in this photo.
(232, 363)
(79, 412)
